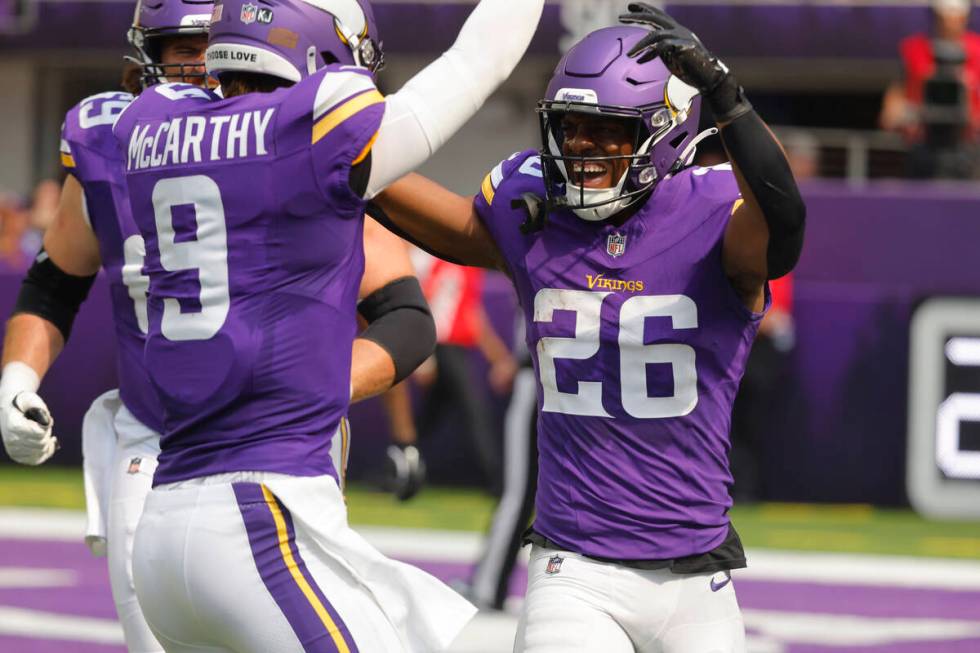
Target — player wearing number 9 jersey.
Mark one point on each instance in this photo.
(643, 281)
(251, 206)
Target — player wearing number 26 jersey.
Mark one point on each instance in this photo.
(640, 342)
(643, 281)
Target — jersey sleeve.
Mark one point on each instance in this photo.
(88, 148)
(342, 123)
(715, 186)
(506, 182)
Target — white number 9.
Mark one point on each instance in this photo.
(208, 254)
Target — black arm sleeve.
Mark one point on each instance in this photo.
(399, 321)
(385, 221)
(765, 169)
(51, 293)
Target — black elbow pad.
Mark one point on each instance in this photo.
(400, 322)
(51, 293)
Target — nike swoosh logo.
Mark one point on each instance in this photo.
(715, 586)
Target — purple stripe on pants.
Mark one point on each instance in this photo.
(263, 538)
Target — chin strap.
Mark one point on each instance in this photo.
(537, 211)
(687, 156)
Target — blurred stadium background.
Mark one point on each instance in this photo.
(867, 535)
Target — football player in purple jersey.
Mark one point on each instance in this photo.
(93, 230)
(251, 205)
(643, 279)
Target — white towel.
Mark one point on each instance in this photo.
(98, 454)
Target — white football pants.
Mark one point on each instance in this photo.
(120, 458)
(120, 455)
(266, 563)
(576, 604)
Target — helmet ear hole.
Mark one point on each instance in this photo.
(329, 58)
(676, 141)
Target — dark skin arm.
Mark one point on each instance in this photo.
(745, 247)
(442, 220)
(750, 245)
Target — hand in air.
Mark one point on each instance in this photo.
(678, 47)
(26, 426)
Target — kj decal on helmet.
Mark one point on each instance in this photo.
(155, 20)
(292, 39)
(597, 78)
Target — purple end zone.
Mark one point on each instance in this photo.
(25, 645)
(90, 597)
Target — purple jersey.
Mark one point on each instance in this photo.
(639, 342)
(90, 153)
(254, 253)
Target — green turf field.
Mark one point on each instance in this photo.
(843, 528)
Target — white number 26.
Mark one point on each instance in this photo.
(634, 355)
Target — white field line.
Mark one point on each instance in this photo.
(846, 630)
(51, 625)
(30, 577)
(464, 547)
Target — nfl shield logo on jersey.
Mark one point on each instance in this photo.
(249, 12)
(554, 565)
(616, 245)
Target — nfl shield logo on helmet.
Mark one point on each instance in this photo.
(616, 245)
(554, 565)
(249, 12)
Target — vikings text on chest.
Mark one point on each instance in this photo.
(198, 139)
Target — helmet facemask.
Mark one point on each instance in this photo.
(170, 19)
(651, 125)
(598, 78)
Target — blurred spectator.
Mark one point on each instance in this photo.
(937, 106)
(802, 152)
(14, 226)
(47, 194)
(454, 294)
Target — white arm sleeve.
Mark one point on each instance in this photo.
(434, 104)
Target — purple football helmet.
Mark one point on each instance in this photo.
(597, 78)
(292, 39)
(157, 19)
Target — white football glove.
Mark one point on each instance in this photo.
(25, 421)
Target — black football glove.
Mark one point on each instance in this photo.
(687, 58)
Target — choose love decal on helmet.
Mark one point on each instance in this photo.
(292, 39)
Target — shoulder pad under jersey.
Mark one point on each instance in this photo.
(86, 134)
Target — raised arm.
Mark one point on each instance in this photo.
(764, 238)
(437, 220)
(433, 105)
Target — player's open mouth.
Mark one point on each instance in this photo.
(590, 174)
